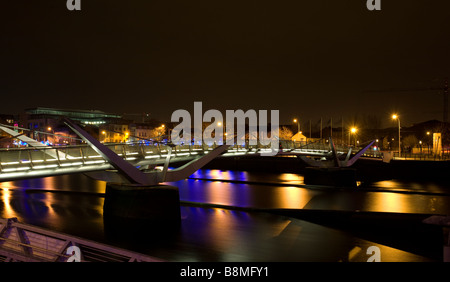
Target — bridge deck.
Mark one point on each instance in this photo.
(29, 162)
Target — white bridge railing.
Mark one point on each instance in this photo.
(17, 162)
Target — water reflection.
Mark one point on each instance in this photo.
(291, 178)
(7, 210)
(386, 184)
(404, 185)
(215, 234)
(392, 202)
(64, 211)
(267, 177)
(213, 192)
(292, 197)
(243, 195)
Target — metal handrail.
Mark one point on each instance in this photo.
(109, 253)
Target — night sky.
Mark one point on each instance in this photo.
(308, 59)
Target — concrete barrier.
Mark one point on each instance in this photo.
(158, 203)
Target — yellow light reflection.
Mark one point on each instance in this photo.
(8, 211)
(292, 197)
(215, 173)
(392, 202)
(226, 175)
(220, 225)
(292, 178)
(51, 184)
(219, 193)
(387, 184)
(9, 185)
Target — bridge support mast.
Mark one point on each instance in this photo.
(140, 200)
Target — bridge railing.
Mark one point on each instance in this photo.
(27, 243)
(421, 157)
(22, 159)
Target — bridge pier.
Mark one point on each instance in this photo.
(334, 176)
(137, 203)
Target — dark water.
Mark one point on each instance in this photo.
(224, 234)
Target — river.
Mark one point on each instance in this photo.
(232, 228)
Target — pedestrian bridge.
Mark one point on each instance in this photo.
(19, 163)
(41, 161)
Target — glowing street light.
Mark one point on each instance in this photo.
(429, 141)
(395, 116)
(353, 130)
(298, 124)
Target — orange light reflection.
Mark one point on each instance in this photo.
(8, 211)
(292, 197)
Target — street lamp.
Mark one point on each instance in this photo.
(298, 124)
(395, 116)
(352, 130)
(49, 129)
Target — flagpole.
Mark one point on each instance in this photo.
(331, 128)
(320, 128)
(309, 129)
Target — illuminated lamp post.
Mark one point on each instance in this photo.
(395, 116)
(298, 124)
(353, 130)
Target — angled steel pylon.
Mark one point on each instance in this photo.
(133, 174)
(335, 162)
